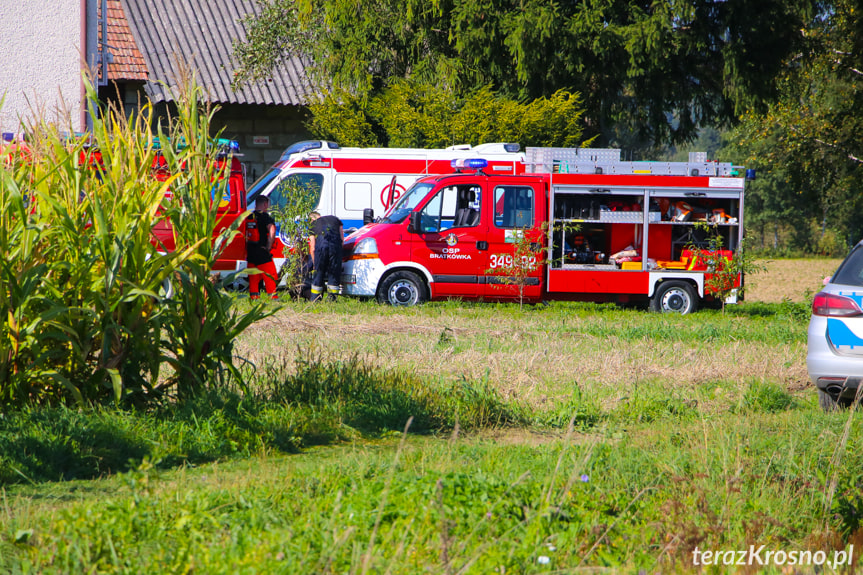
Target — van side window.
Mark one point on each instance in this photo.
(357, 196)
(439, 213)
(467, 209)
(296, 190)
(513, 207)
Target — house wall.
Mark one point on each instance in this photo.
(40, 63)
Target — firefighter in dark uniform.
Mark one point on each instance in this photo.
(325, 246)
(260, 235)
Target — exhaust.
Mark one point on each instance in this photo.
(834, 389)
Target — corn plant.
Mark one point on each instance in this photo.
(202, 324)
(87, 318)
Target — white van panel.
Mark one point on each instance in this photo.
(357, 196)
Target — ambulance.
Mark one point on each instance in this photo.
(596, 229)
(355, 183)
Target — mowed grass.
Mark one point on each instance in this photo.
(553, 438)
(544, 355)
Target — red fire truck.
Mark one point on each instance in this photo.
(600, 229)
(231, 200)
(231, 205)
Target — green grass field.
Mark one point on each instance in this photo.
(551, 439)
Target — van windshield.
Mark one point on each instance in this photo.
(407, 203)
(261, 184)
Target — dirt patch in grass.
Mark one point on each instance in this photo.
(520, 436)
(789, 279)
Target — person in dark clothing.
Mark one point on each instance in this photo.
(325, 246)
(260, 235)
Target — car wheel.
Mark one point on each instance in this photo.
(830, 403)
(674, 297)
(240, 284)
(403, 289)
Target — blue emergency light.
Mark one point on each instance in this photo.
(223, 144)
(306, 145)
(231, 146)
(469, 164)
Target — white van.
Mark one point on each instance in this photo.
(351, 180)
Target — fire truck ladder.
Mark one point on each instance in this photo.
(607, 161)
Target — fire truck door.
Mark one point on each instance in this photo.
(515, 242)
(451, 242)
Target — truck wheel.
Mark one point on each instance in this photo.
(674, 297)
(402, 288)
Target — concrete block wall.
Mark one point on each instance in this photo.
(280, 125)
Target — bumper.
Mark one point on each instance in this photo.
(361, 277)
(829, 371)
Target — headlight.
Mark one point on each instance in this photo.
(366, 249)
(366, 246)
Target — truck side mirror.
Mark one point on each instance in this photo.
(368, 216)
(414, 223)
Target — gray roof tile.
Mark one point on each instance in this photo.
(201, 33)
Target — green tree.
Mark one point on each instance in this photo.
(291, 212)
(648, 71)
(807, 145)
(414, 114)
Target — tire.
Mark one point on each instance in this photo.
(403, 289)
(239, 285)
(830, 403)
(674, 297)
(166, 291)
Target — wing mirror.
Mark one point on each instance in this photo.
(368, 216)
(414, 223)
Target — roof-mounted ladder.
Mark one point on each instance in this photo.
(607, 161)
